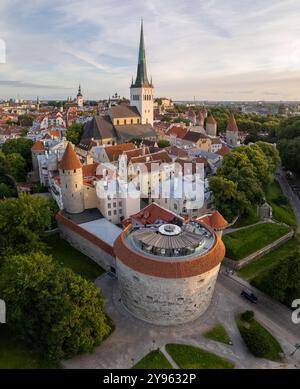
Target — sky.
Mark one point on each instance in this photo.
(207, 50)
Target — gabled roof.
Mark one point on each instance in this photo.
(89, 170)
(70, 160)
(154, 212)
(130, 131)
(123, 111)
(113, 152)
(177, 151)
(177, 131)
(223, 151)
(86, 144)
(193, 136)
(232, 126)
(38, 146)
(100, 127)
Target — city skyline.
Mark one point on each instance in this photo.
(207, 50)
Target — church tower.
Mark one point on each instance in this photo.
(141, 91)
(71, 180)
(79, 98)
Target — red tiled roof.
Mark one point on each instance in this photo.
(223, 151)
(178, 152)
(89, 170)
(211, 120)
(38, 146)
(179, 132)
(232, 126)
(70, 160)
(171, 268)
(154, 212)
(113, 152)
(215, 220)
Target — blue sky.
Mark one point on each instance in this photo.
(212, 49)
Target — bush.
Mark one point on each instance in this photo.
(256, 341)
(281, 200)
(247, 315)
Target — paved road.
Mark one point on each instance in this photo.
(294, 199)
(275, 314)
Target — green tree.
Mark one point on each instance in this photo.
(163, 143)
(227, 198)
(5, 191)
(25, 120)
(23, 222)
(74, 133)
(290, 153)
(21, 146)
(56, 312)
(15, 165)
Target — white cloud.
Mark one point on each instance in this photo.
(204, 48)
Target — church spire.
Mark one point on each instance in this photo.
(141, 77)
(79, 91)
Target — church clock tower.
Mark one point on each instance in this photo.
(141, 91)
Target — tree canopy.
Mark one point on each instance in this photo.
(75, 132)
(23, 222)
(56, 312)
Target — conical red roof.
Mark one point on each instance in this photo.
(217, 221)
(211, 120)
(232, 126)
(70, 160)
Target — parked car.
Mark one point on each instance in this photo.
(249, 295)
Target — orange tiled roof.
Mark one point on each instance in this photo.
(223, 151)
(70, 160)
(38, 146)
(113, 152)
(215, 220)
(153, 212)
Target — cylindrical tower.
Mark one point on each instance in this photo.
(211, 126)
(167, 272)
(70, 171)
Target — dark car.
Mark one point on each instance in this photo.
(249, 296)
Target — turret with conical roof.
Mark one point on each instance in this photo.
(71, 178)
(232, 132)
(141, 91)
(211, 126)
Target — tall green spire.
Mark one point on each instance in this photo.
(141, 77)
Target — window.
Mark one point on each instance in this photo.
(109, 213)
(120, 203)
(115, 204)
(125, 122)
(66, 185)
(118, 122)
(120, 211)
(131, 121)
(175, 206)
(115, 212)
(109, 205)
(75, 185)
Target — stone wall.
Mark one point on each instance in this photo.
(165, 301)
(86, 243)
(237, 265)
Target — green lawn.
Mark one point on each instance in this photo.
(260, 335)
(190, 357)
(265, 263)
(282, 212)
(153, 360)
(14, 355)
(218, 333)
(66, 255)
(242, 243)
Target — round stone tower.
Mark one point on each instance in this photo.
(70, 171)
(167, 272)
(211, 126)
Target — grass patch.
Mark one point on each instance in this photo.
(15, 355)
(282, 212)
(259, 341)
(63, 253)
(219, 334)
(242, 243)
(154, 360)
(262, 265)
(247, 220)
(190, 357)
